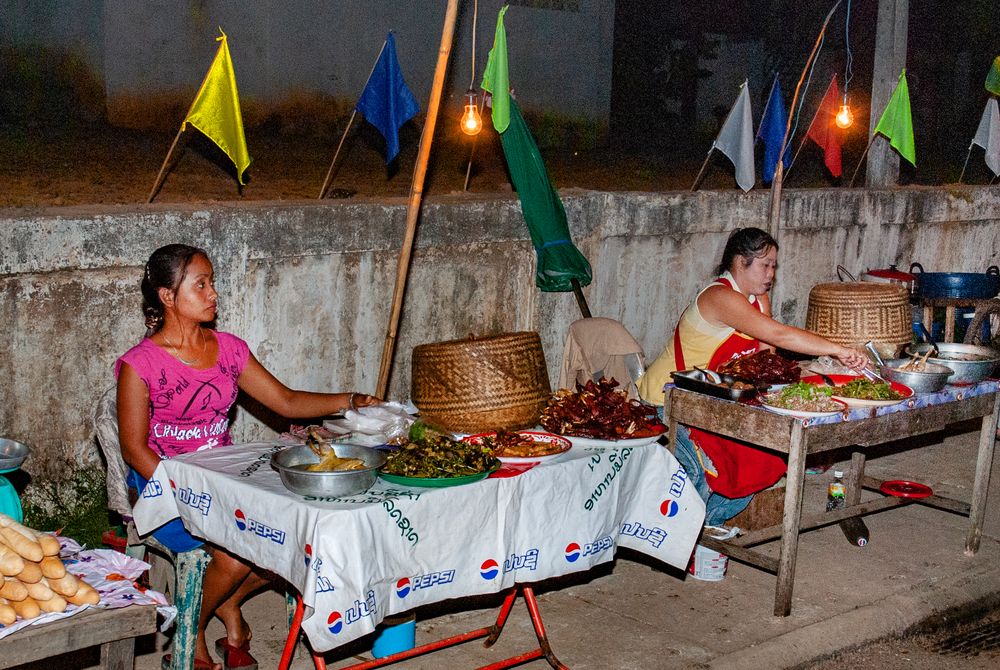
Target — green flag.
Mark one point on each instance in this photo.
(559, 261)
(495, 78)
(896, 123)
(993, 77)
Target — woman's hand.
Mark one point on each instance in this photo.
(852, 358)
(358, 400)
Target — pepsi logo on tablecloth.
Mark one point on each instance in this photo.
(403, 587)
(241, 518)
(308, 551)
(489, 569)
(669, 508)
(572, 552)
(335, 622)
(258, 528)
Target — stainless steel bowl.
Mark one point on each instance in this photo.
(345, 483)
(931, 378)
(966, 372)
(12, 454)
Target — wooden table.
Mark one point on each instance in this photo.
(114, 629)
(790, 436)
(950, 305)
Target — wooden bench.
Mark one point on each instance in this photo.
(114, 629)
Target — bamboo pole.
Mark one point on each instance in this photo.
(966, 163)
(855, 175)
(329, 172)
(701, 172)
(163, 168)
(416, 194)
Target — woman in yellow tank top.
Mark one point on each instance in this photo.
(727, 319)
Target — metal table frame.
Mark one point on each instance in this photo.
(787, 435)
(491, 633)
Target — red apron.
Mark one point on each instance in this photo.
(740, 469)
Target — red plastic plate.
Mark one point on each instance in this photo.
(905, 489)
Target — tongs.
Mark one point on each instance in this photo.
(871, 374)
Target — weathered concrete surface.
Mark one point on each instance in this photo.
(309, 285)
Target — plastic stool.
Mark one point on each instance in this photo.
(395, 635)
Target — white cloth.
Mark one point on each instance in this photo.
(600, 345)
(735, 139)
(359, 559)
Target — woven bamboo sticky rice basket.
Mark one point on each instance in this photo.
(852, 313)
(477, 385)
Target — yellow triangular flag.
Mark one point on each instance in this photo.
(216, 109)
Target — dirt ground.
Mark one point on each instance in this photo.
(934, 650)
(100, 164)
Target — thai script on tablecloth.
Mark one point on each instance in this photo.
(201, 501)
(406, 528)
(152, 489)
(616, 461)
(361, 608)
(677, 482)
(655, 536)
(261, 461)
(526, 561)
(370, 498)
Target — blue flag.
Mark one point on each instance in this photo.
(772, 131)
(386, 102)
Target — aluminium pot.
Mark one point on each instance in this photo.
(971, 363)
(288, 462)
(889, 275)
(968, 285)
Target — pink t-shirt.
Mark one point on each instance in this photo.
(188, 408)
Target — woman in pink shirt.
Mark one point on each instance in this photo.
(175, 392)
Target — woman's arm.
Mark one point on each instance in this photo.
(133, 422)
(722, 305)
(265, 388)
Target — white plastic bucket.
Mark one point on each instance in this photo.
(708, 565)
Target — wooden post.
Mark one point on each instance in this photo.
(890, 59)
(416, 195)
(580, 300)
(701, 172)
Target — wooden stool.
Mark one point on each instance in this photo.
(949, 304)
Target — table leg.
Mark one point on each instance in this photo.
(790, 521)
(118, 655)
(949, 323)
(929, 318)
(672, 432)
(980, 487)
(855, 526)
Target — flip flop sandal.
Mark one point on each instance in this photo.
(199, 664)
(235, 658)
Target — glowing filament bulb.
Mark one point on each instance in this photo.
(844, 117)
(472, 123)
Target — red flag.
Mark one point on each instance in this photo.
(824, 131)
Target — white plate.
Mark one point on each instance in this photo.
(593, 442)
(861, 402)
(802, 414)
(537, 436)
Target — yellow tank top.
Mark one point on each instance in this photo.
(699, 339)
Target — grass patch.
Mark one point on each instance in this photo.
(78, 508)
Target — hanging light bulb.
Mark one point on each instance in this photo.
(472, 123)
(845, 118)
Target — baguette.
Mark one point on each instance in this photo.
(49, 544)
(27, 608)
(54, 604)
(11, 562)
(7, 613)
(30, 574)
(29, 549)
(39, 591)
(12, 589)
(87, 595)
(52, 567)
(66, 586)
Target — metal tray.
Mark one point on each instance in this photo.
(695, 380)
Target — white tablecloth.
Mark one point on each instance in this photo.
(356, 560)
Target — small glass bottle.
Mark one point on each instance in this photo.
(835, 493)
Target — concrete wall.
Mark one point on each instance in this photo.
(309, 285)
(148, 53)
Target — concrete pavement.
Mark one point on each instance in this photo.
(635, 613)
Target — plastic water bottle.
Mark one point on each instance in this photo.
(835, 492)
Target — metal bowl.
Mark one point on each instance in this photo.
(12, 454)
(336, 483)
(931, 378)
(966, 372)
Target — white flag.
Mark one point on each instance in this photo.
(988, 135)
(736, 139)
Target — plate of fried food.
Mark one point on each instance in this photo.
(599, 414)
(521, 446)
(855, 391)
